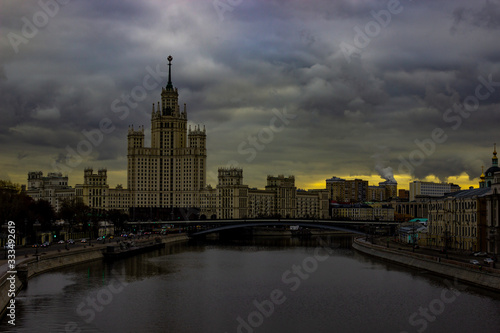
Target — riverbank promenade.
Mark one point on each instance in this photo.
(453, 265)
(25, 254)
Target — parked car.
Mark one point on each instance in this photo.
(8, 247)
(474, 262)
(99, 239)
(480, 254)
(488, 261)
(70, 241)
(84, 240)
(35, 245)
(61, 242)
(45, 244)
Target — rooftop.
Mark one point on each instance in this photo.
(479, 192)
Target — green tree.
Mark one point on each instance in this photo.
(14, 204)
(42, 211)
(17, 206)
(75, 212)
(117, 217)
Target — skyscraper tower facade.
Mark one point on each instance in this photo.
(172, 172)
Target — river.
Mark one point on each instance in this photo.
(253, 285)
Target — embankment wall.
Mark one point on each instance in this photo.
(484, 277)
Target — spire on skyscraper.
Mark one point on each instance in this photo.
(169, 84)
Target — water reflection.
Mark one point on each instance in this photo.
(318, 284)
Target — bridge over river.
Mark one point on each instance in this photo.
(201, 227)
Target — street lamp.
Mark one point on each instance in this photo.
(5, 226)
(413, 237)
(90, 232)
(36, 227)
(24, 230)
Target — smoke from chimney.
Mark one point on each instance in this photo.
(385, 173)
(381, 160)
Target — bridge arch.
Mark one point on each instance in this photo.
(257, 224)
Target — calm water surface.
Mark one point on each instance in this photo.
(258, 285)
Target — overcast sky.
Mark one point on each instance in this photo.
(315, 89)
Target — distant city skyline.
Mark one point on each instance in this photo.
(365, 89)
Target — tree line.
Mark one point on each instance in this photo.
(30, 214)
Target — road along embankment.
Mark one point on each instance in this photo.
(484, 277)
(11, 282)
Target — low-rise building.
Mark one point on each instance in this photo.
(454, 220)
(361, 212)
(410, 232)
(280, 198)
(403, 195)
(407, 210)
(53, 188)
(105, 228)
(382, 211)
(430, 189)
(490, 228)
(312, 204)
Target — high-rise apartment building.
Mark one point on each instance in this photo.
(336, 189)
(376, 193)
(391, 189)
(172, 172)
(358, 190)
(232, 194)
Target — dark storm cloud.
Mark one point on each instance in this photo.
(487, 16)
(234, 70)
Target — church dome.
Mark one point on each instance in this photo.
(491, 171)
(494, 164)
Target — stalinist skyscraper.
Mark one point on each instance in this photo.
(173, 171)
(166, 180)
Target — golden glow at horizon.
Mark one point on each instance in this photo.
(403, 181)
(116, 177)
